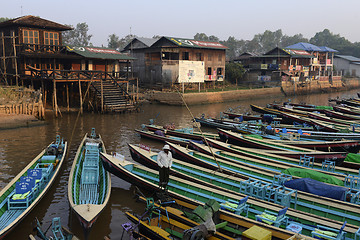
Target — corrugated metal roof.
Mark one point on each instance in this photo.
(99, 53)
(305, 46)
(191, 43)
(32, 21)
(147, 41)
(327, 49)
(349, 58)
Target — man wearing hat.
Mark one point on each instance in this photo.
(164, 160)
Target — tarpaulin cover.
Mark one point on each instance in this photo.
(318, 188)
(324, 107)
(352, 157)
(307, 173)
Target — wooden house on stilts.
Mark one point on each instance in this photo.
(92, 78)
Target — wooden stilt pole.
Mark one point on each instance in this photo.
(137, 89)
(102, 96)
(55, 99)
(81, 101)
(15, 58)
(67, 98)
(4, 57)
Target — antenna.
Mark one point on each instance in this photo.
(21, 10)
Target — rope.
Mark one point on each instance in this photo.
(193, 118)
(77, 118)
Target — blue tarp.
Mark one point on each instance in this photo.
(318, 188)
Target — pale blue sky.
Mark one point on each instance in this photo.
(241, 19)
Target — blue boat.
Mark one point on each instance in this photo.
(26, 190)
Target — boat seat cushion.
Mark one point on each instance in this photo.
(35, 173)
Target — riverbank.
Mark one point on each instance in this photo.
(11, 121)
(287, 88)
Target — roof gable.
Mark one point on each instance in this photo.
(98, 53)
(32, 21)
(138, 43)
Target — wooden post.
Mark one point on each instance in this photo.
(102, 95)
(55, 99)
(199, 86)
(133, 93)
(15, 59)
(67, 98)
(4, 56)
(81, 103)
(183, 87)
(137, 89)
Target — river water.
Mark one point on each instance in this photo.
(19, 146)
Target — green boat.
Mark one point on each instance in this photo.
(89, 184)
(26, 189)
(193, 192)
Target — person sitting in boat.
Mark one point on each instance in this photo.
(164, 161)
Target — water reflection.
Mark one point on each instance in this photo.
(19, 146)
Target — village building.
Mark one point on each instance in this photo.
(170, 60)
(32, 54)
(301, 62)
(348, 65)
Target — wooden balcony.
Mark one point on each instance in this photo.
(73, 75)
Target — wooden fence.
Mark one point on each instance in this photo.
(35, 109)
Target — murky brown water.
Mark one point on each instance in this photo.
(19, 146)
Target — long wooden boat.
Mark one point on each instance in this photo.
(187, 133)
(352, 146)
(264, 158)
(26, 189)
(348, 110)
(190, 191)
(163, 138)
(170, 223)
(294, 152)
(89, 184)
(303, 201)
(42, 234)
(343, 116)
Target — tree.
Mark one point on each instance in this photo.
(78, 36)
(234, 72)
(114, 42)
(201, 37)
(3, 19)
(290, 40)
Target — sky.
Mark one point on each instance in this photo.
(241, 19)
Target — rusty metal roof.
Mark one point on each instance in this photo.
(37, 22)
(191, 43)
(99, 53)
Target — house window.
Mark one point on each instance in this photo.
(51, 38)
(198, 56)
(31, 36)
(219, 71)
(185, 56)
(209, 57)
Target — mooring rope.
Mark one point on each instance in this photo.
(77, 118)
(193, 118)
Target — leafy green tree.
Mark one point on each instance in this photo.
(78, 36)
(234, 72)
(3, 19)
(290, 40)
(201, 37)
(114, 42)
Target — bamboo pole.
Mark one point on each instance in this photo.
(81, 101)
(137, 89)
(55, 98)
(4, 57)
(15, 59)
(67, 98)
(102, 96)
